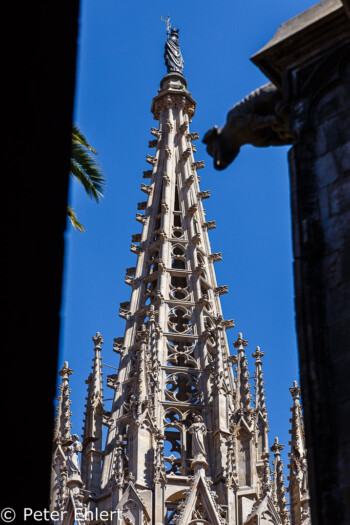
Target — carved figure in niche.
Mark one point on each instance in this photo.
(173, 57)
(259, 119)
(73, 466)
(305, 482)
(198, 431)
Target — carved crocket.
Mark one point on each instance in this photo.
(259, 119)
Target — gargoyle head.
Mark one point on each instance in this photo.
(216, 147)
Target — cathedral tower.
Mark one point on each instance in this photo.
(186, 444)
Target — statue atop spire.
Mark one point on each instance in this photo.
(172, 55)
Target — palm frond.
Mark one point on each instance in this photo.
(74, 219)
(87, 172)
(79, 138)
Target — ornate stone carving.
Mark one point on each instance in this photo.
(190, 180)
(146, 189)
(172, 55)
(221, 290)
(166, 179)
(73, 467)
(198, 165)
(112, 381)
(259, 119)
(118, 343)
(193, 208)
(215, 257)
(151, 160)
(209, 225)
(187, 153)
(124, 312)
(156, 132)
(183, 127)
(136, 237)
(203, 195)
(177, 405)
(165, 207)
(141, 218)
(193, 136)
(198, 431)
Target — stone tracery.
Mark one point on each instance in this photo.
(179, 418)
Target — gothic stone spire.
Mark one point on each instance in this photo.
(63, 424)
(92, 429)
(279, 491)
(298, 471)
(184, 442)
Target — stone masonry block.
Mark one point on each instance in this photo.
(321, 147)
(339, 196)
(333, 103)
(332, 267)
(337, 131)
(326, 170)
(342, 157)
(336, 230)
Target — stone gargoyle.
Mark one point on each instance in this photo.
(259, 119)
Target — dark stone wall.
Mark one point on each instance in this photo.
(319, 94)
(38, 80)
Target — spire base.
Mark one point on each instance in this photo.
(173, 80)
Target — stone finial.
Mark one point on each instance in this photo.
(243, 396)
(258, 355)
(259, 380)
(240, 343)
(276, 447)
(298, 471)
(279, 490)
(63, 425)
(98, 341)
(296, 392)
(65, 372)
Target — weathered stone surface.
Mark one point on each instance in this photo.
(185, 444)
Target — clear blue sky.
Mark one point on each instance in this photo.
(120, 65)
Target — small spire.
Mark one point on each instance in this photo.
(243, 399)
(92, 429)
(259, 381)
(240, 343)
(297, 430)
(298, 469)
(63, 424)
(94, 399)
(279, 491)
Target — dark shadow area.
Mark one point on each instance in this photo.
(39, 55)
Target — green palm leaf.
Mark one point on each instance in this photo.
(86, 170)
(78, 138)
(72, 216)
